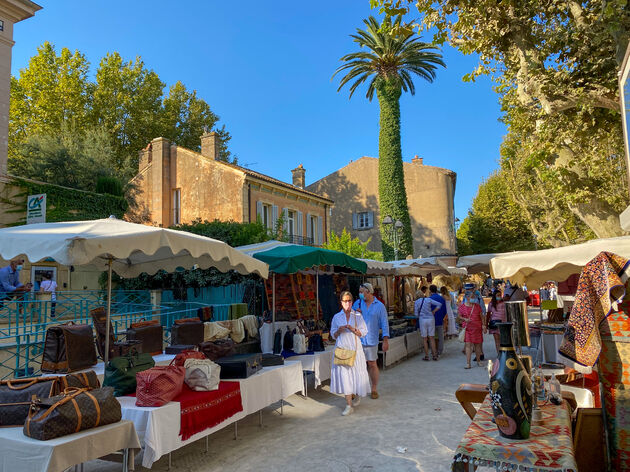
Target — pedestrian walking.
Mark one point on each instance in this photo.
(347, 328)
(48, 285)
(425, 309)
(451, 328)
(440, 314)
(496, 314)
(473, 320)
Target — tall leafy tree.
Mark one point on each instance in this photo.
(555, 65)
(388, 62)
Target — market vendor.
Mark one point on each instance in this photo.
(10, 286)
(375, 316)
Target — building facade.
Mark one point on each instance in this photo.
(11, 12)
(176, 185)
(430, 195)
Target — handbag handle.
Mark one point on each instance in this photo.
(26, 385)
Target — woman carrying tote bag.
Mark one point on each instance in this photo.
(349, 374)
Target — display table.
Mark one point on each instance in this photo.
(320, 363)
(158, 427)
(99, 369)
(24, 454)
(549, 447)
(413, 341)
(397, 351)
(266, 334)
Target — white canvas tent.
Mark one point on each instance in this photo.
(129, 249)
(536, 267)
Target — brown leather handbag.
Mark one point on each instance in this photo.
(187, 331)
(150, 333)
(74, 410)
(68, 348)
(16, 394)
(159, 385)
(214, 350)
(79, 380)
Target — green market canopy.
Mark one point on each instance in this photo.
(292, 259)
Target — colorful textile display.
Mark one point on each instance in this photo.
(549, 447)
(203, 410)
(599, 288)
(614, 374)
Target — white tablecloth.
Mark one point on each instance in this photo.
(19, 453)
(397, 351)
(158, 428)
(266, 334)
(160, 359)
(319, 362)
(413, 342)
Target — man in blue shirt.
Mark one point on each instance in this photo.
(440, 314)
(10, 280)
(375, 315)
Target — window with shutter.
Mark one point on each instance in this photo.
(274, 217)
(355, 223)
(320, 231)
(259, 210)
(309, 227)
(300, 224)
(370, 219)
(365, 219)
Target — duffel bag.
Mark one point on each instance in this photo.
(150, 333)
(79, 380)
(120, 372)
(214, 350)
(202, 375)
(187, 331)
(16, 394)
(181, 358)
(68, 348)
(74, 410)
(159, 385)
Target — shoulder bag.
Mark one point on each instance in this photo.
(347, 356)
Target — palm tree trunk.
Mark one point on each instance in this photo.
(391, 177)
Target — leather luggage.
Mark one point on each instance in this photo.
(120, 372)
(246, 347)
(272, 359)
(187, 331)
(159, 385)
(79, 380)
(76, 409)
(150, 333)
(177, 348)
(122, 348)
(16, 394)
(68, 348)
(181, 358)
(214, 350)
(241, 366)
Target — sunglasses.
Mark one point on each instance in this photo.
(346, 301)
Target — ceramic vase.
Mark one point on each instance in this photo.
(510, 389)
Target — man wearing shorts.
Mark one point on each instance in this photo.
(375, 316)
(425, 309)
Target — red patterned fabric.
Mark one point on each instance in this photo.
(159, 385)
(203, 410)
(600, 285)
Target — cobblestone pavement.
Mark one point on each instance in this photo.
(417, 410)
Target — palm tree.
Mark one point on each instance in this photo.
(389, 63)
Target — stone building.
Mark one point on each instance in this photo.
(176, 185)
(430, 194)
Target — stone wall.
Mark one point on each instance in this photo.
(430, 193)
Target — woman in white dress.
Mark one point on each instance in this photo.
(347, 328)
(452, 327)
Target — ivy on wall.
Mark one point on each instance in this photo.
(66, 204)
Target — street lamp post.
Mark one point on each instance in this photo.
(394, 232)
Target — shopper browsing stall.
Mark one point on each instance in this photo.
(349, 374)
(375, 315)
(440, 314)
(424, 310)
(450, 314)
(472, 317)
(496, 314)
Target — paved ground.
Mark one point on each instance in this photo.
(417, 410)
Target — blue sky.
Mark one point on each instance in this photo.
(265, 68)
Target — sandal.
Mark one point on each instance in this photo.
(468, 367)
(425, 358)
(435, 358)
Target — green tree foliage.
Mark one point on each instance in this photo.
(555, 65)
(126, 99)
(68, 158)
(354, 247)
(389, 62)
(230, 232)
(495, 223)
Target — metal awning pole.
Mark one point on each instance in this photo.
(273, 301)
(317, 294)
(109, 310)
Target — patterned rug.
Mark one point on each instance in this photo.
(599, 288)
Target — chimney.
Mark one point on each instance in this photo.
(299, 176)
(210, 144)
(417, 160)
